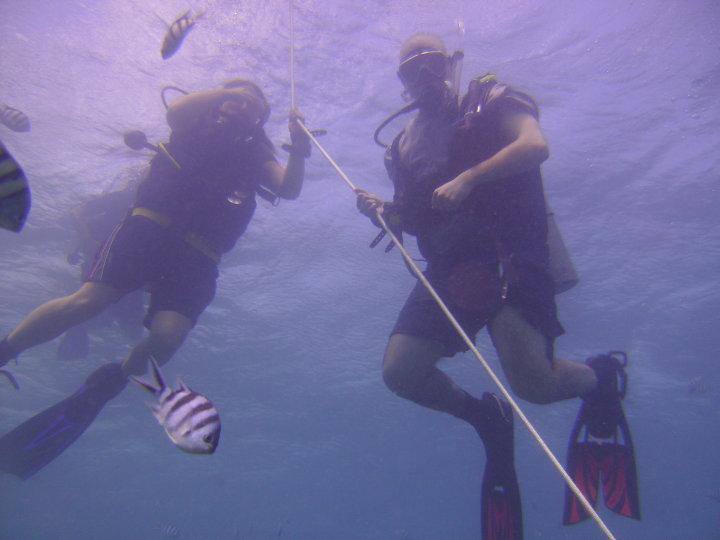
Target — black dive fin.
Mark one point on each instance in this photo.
(35, 443)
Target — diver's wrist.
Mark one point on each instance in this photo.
(299, 150)
(476, 175)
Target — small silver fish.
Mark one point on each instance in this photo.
(168, 530)
(189, 419)
(14, 193)
(14, 119)
(176, 33)
(700, 385)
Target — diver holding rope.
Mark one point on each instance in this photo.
(192, 207)
(467, 185)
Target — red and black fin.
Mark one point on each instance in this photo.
(601, 453)
(501, 506)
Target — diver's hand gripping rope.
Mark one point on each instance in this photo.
(411, 264)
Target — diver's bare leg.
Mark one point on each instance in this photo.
(56, 316)
(522, 351)
(409, 370)
(168, 331)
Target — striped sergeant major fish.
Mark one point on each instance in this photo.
(189, 419)
(176, 33)
(14, 119)
(14, 193)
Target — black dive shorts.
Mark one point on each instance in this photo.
(474, 292)
(140, 253)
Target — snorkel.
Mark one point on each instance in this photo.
(430, 77)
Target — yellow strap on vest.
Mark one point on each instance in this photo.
(168, 155)
(152, 215)
(487, 78)
(192, 239)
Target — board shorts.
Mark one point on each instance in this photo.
(474, 292)
(141, 253)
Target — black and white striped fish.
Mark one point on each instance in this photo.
(14, 193)
(177, 31)
(189, 419)
(14, 119)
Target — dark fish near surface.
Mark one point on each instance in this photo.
(14, 193)
(176, 32)
(14, 119)
(189, 419)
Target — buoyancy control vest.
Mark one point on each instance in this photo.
(499, 221)
(212, 195)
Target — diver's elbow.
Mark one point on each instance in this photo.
(289, 195)
(533, 151)
(540, 151)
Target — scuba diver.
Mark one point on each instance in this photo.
(467, 185)
(93, 220)
(195, 202)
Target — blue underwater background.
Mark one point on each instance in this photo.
(313, 444)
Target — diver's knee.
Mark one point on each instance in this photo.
(165, 341)
(168, 331)
(401, 375)
(536, 392)
(394, 378)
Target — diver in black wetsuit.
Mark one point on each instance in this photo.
(196, 201)
(467, 184)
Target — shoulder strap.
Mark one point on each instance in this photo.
(482, 91)
(392, 159)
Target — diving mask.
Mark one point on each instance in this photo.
(240, 114)
(245, 108)
(422, 68)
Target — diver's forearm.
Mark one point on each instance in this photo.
(185, 111)
(517, 157)
(293, 177)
